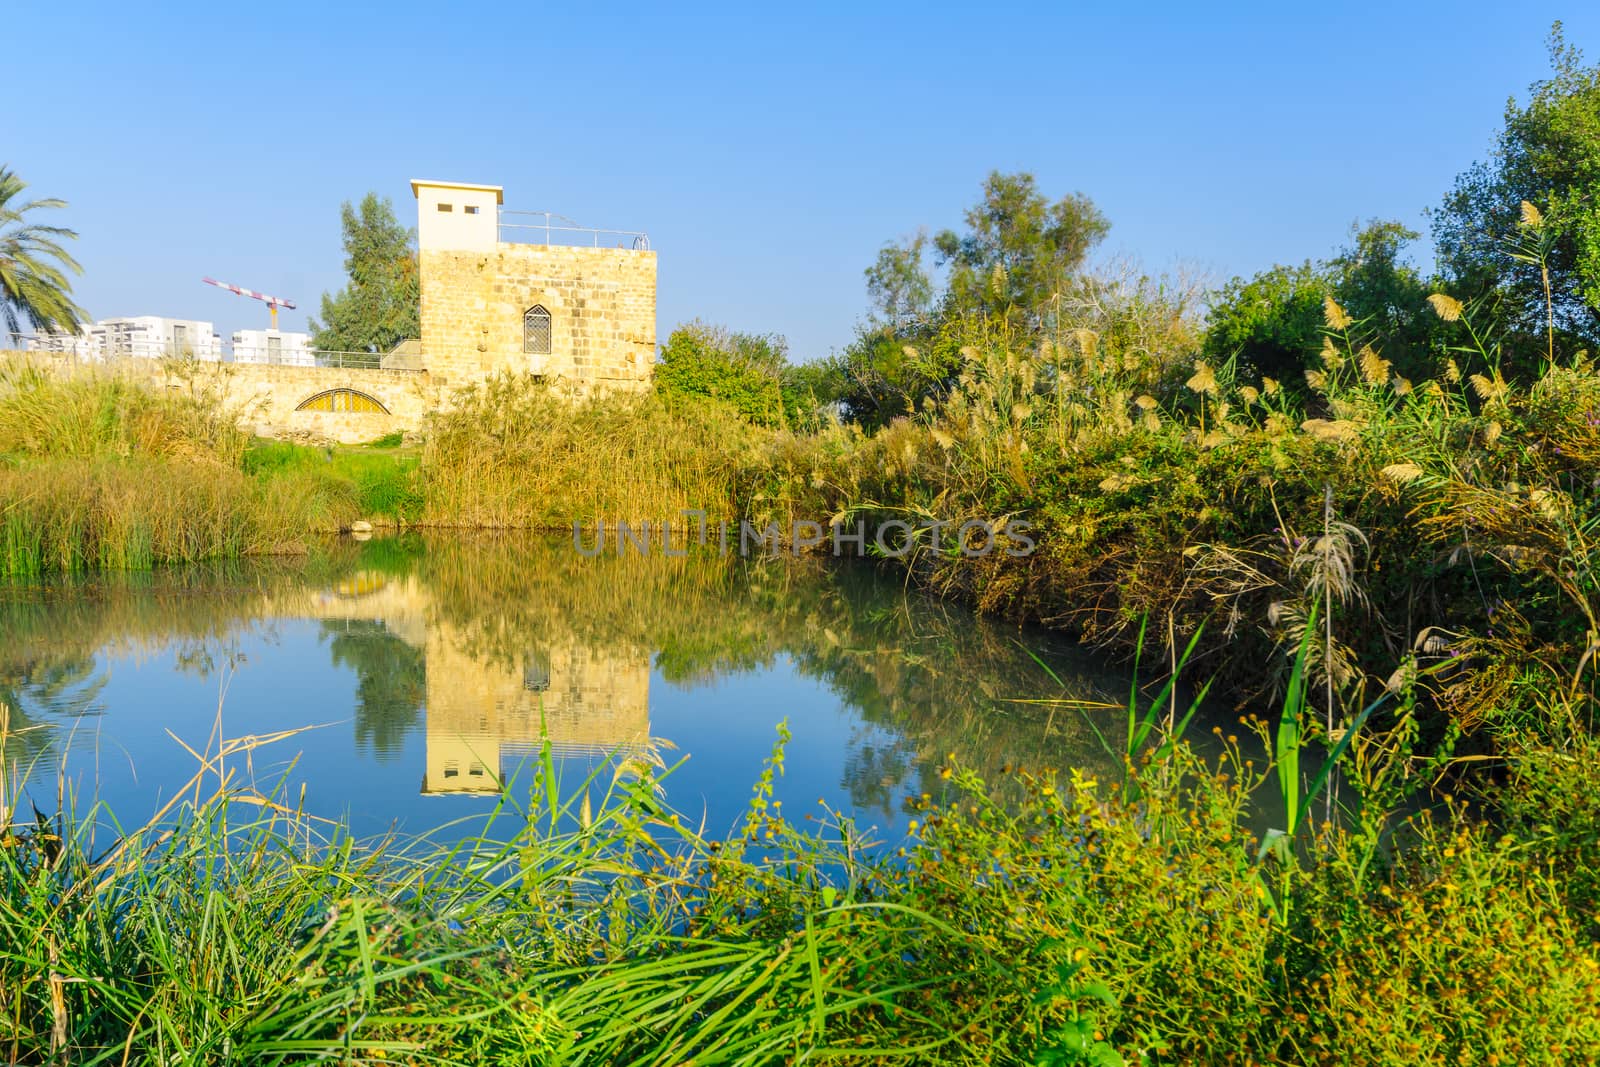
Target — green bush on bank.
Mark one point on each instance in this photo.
(1451, 519)
(384, 483)
(700, 362)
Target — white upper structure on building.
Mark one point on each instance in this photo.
(273, 346)
(461, 218)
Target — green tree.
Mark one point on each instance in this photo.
(1020, 250)
(34, 265)
(1273, 322)
(1370, 277)
(1547, 154)
(811, 393)
(888, 371)
(898, 284)
(381, 305)
(742, 370)
(1016, 269)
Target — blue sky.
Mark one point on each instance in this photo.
(768, 151)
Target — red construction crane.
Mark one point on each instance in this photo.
(273, 302)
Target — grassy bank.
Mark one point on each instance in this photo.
(1082, 922)
(100, 472)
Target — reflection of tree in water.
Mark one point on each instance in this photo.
(54, 633)
(877, 764)
(937, 679)
(392, 681)
(41, 697)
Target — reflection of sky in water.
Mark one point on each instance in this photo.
(875, 686)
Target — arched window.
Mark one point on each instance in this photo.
(536, 331)
(342, 400)
(536, 673)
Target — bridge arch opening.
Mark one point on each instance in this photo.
(343, 400)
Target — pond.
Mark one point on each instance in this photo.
(429, 672)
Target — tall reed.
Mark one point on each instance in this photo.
(73, 515)
(94, 413)
(517, 453)
(100, 471)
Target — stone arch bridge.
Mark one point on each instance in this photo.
(348, 405)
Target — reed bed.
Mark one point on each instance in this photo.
(520, 454)
(72, 515)
(76, 515)
(99, 471)
(93, 413)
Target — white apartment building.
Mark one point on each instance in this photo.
(152, 337)
(273, 346)
(80, 345)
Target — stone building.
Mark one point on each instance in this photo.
(578, 314)
(574, 307)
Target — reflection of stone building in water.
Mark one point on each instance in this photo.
(483, 714)
(586, 700)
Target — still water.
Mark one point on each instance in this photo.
(431, 670)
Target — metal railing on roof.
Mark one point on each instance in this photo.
(560, 230)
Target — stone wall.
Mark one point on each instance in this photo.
(602, 305)
(265, 397)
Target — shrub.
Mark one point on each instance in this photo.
(744, 371)
(1071, 924)
(342, 483)
(1552, 797)
(1467, 953)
